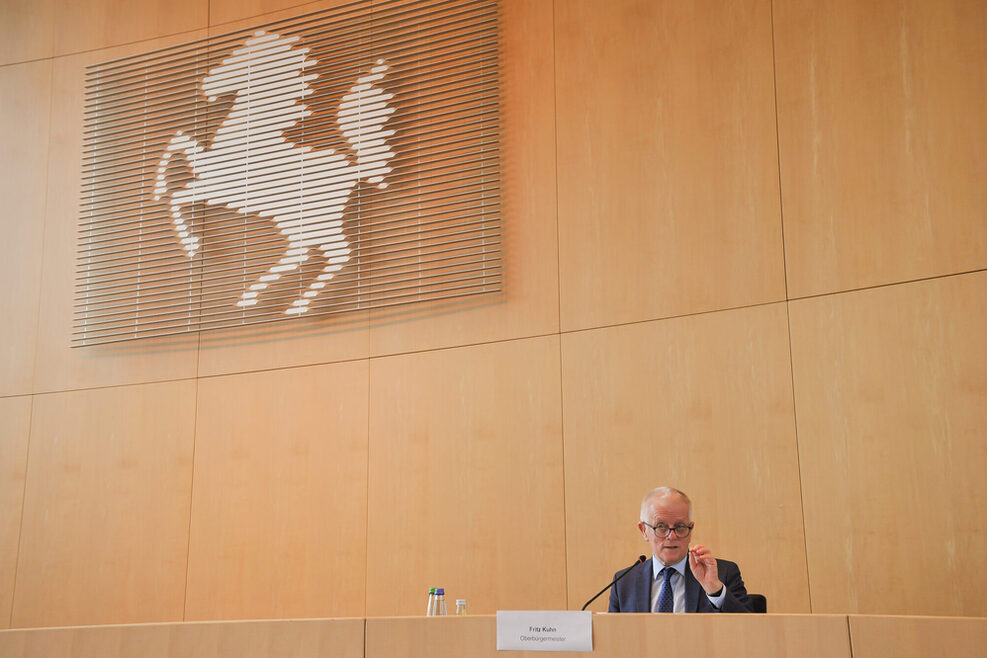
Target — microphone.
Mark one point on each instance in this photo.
(640, 559)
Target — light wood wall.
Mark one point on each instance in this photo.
(747, 257)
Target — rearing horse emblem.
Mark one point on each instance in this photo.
(251, 167)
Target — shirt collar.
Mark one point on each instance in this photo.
(657, 566)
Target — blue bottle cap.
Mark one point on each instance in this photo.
(440, 590)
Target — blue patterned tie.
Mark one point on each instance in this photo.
(666, 600)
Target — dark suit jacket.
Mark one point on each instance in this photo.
(633, 592)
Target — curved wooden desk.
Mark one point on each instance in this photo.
(760, 636)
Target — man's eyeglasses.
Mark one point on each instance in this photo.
(661, 530)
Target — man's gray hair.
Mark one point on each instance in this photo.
(657, 494)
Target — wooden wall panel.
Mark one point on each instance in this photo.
(668, 178)
(466, 479)
(300, 638)
(665, 202)
(528, 305)
(94, 24)
(703, 404)
(25, 99)
(890, 387)
(911, 637)
(106, 506)
(881, 110)
(15, 426)
(58, 366)
(26, 30)
(279, 506)
(299, 342)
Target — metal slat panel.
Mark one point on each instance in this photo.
(342, 160)
(392, 301)
(441, 192)
(455, 30)
(104, 275)
(383, 268)
(105, 315)
(168, 83)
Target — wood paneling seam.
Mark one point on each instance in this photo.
(558, 309)
(44, 225)
(20, 527)
(781, 195)
(191, 488)
(788, 317)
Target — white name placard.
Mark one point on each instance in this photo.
(544, 630)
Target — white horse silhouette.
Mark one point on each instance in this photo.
(251, 167)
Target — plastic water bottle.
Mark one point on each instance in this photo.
(460, 607)
(440, 602)
(430, 612)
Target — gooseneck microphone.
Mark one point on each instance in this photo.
(640, 559)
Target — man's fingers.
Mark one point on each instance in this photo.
(701, 555)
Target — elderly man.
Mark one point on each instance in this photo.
(677, 578)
